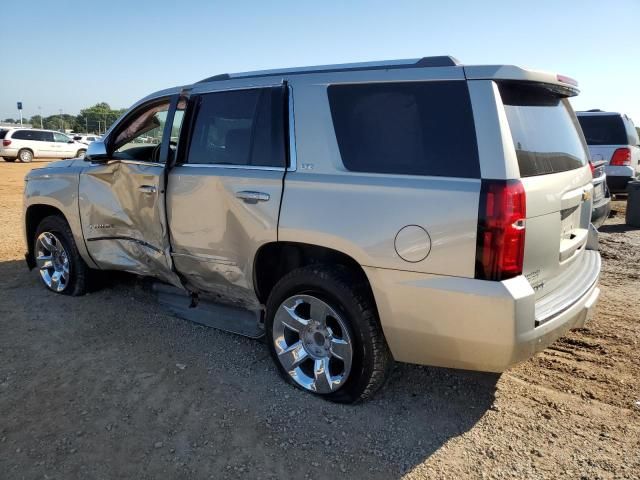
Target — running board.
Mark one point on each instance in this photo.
(216, 315)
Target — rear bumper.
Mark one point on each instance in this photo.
(8, 152)
(601, 212)
(469, 324)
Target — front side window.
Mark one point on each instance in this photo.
(60, 138)
(544, 129)
(141, 136)
(412, 128)
(241, 127)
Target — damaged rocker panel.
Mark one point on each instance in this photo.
(141, 242)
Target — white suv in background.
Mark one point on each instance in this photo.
(25, 144)
(612, 137)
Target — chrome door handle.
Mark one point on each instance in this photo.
(147, 188)
(253, 197)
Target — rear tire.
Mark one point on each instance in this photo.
(303, 301)
(25, 155)
(56, 255)
(81, 153)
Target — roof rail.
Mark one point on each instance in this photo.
(436, 61)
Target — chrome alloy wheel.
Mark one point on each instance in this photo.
(25, 156)
(312, 343)
(52, 261)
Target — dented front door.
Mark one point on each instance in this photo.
(123, 218)
(122, 200)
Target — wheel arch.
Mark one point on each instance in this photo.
(34, 214)
(274, 260)
(33, 152)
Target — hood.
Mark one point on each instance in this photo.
(53, 165)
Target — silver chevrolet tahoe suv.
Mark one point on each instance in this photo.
(419, 210)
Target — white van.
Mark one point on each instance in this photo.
(25, 144)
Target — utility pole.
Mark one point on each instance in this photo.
(20, 110)
(61, 122)
(86, 124)
(40, 112)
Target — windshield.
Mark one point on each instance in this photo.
(544, 130)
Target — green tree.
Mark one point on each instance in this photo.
(97, 118)
(35, 121)
(9, 120)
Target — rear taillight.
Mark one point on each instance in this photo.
(593, 169)
(6, 143)
(621, 157)
(501, 230)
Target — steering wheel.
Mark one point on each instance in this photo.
(155, 154)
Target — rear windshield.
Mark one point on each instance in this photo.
(603, 129)
(417, 128)
(544, 129)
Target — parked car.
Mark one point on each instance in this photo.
(612, 137)
(601, 194)
(25, 144)
(417, 211)
(3, 132)
(86, 139)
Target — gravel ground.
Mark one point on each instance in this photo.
(111, 386)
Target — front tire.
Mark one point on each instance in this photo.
(324, 334)
(81, 153)
(25, 155)
(60, 266)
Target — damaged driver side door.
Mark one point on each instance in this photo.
(122, 196)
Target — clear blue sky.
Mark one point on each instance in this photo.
(69, 54)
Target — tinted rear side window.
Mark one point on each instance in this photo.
(416, 128)
(603, 129)
(33, 135)
(544, 130)
(43, 136)
(22, 135)
(3, 133)
(632, 133)
(242, 127)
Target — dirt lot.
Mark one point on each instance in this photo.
(111, 386)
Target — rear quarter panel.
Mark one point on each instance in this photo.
(360, 214)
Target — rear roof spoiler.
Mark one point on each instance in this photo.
(565, 85)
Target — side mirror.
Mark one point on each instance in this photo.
(71, 141)
(96, 152)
